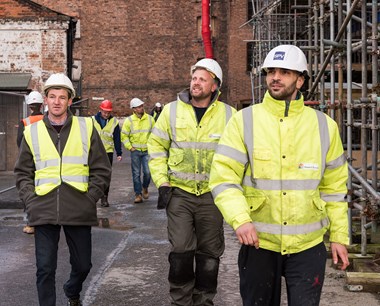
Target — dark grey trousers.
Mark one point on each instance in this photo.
(195, 231)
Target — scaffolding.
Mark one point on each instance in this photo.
(340, 39)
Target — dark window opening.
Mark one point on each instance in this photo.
(249, 10)
(250, 46)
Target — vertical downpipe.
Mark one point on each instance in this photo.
(206, 31)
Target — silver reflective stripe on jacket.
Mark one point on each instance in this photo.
(278, 229)
(38, 162)
(190, 145)
(133, 131)
(80, 160)
(284, 184)
(263, 184)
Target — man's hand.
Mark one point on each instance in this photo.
(247, 235)
(119, 158)
(339, 251)
(164, 196)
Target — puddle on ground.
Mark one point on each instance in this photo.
(114, 223)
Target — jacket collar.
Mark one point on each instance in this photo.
(68, 120)
(279, 107)
(98, 116)
(135, 117)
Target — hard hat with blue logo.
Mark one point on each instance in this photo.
(287, 57)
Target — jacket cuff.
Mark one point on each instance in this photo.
(95, 194)
(240, 220)
(26, 193)
(341, 238)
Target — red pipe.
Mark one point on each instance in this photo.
(206, 31)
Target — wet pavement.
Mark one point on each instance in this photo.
(130, 250)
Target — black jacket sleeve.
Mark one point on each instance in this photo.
(117, 140)
(20, 133)
(100, 167)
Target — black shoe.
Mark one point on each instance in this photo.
(74, 302)
(104, 202)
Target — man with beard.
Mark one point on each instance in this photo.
(181, 148)
(279, 178)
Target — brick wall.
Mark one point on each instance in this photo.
(129, 49)
(32, 40)
(239, 89)
(145, 49)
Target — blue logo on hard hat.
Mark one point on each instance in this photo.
(279, 56)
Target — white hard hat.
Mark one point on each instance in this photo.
(287, 57)
(59, 80)
(158, 104)
(136, 102)
(211, 66)
(34, 98)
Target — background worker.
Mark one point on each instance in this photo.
(156, 112)
(279, 178)
(134, 136)
(34, 101)
(61, 173)
(181, 148)
(109, 131)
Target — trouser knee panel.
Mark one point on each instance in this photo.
(206, 272)
(181, 267)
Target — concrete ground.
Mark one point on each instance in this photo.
(130, 250)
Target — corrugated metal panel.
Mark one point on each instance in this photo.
(14, 81)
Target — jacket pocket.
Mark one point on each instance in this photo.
(27, 195)
(263, 166)
(319, 206)
(181, 130)
(255, 202)
(175, 159)
(319, 203)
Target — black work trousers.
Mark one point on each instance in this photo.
(110, 158)
(78, 239)
(261, 272)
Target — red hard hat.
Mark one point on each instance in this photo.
(106, 105)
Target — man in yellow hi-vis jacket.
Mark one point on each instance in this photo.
(134, 136)
(279, 178)
(61, 173)
(181, 148)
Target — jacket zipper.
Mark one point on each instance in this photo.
(287, 106)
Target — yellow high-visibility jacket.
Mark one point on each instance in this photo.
(51, 169)
(181, 149)
(282, 166)
(135, 131)
(106, 134)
